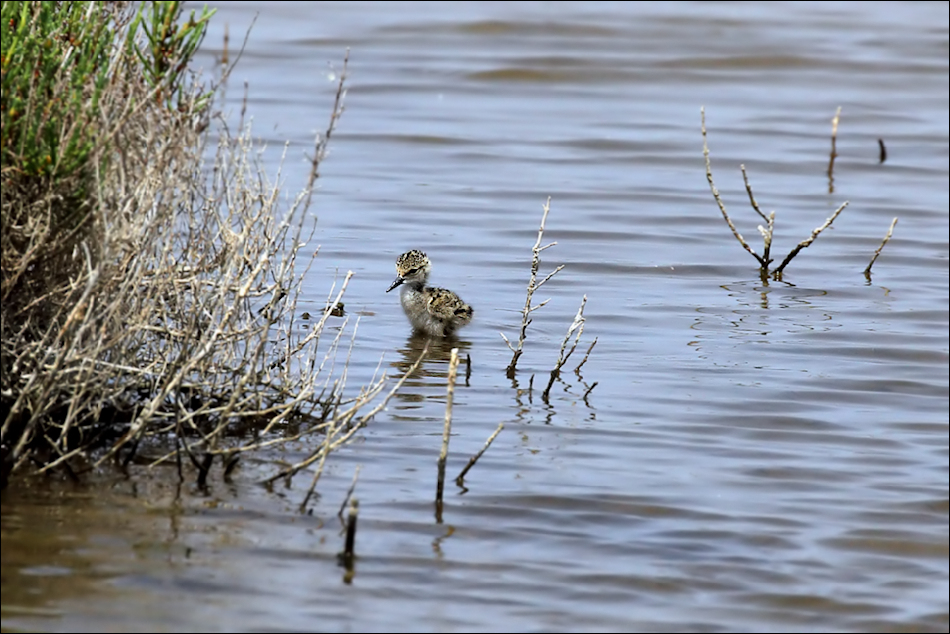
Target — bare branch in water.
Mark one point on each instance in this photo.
(769, 229)
(722, 207)
(890, 232)
(471, 461)
(807, 241)
(446, 431)
(576, 326)
(533, 285)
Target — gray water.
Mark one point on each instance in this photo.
(754, 456)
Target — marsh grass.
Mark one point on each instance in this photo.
(152, 292)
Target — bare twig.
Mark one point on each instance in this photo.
(807, 241)
(890, 232)
(769, 229)
(533, 285)
(471, 461)
(578, 326)
(580, 365)
(883, 151)
(447, 429)
(722, 207)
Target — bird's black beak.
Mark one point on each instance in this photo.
(399, 280)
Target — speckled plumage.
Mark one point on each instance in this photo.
(437, 312)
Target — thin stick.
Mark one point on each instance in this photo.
(807, 241)
(834, 152)
(722, 206)
(533, 285)
(883, 153)
(580, 365)
(748, 188)
(576, 325)
(449, 395)
(474, 459)
(767, 231)
(890, 232)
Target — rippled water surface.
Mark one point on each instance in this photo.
(754, 456)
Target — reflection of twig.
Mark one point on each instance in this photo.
(533, 285)
(474, 459)
(834, 151)
(589, 390)
(578, 325)
(722, 207)
(449, 396)
(883, 155)
(807, 241)
(890, 232)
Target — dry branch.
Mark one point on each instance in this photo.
(580, 365)
(767, 231)
(471, 461)
(533, 285)
(174, 315)
(890, 232)
(722, 207)
(807, 241)
(447, 429)
(576, 326)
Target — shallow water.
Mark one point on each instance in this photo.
(754, 456)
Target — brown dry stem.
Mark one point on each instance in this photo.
(722, 207)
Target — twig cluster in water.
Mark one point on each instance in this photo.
(767, 231)
(576, 326)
